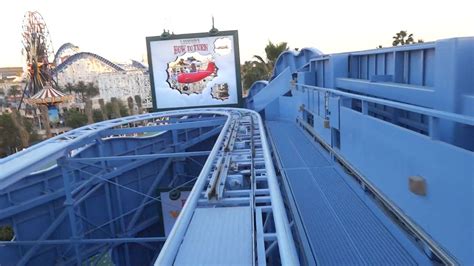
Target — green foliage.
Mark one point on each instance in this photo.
(252, 72)
(274, 50)
(75, 119)
(403, 38)
(34, 137)
(86, 90)
(130, 104)
(6, 233)
(260, 68)
(123, 109)
(14, 90)
(97, 115)
(10, 137)
(108, 110)
(115, 109)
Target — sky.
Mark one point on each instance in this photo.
(117, 30)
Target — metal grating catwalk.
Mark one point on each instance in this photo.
(339, 226)
(228, 243)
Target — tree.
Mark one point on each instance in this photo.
(399, 38)
(9, 140)
(87, 91)
(75, 119)
(138, 101)
(6, 233)
(103, 109)
(123, 109)
(115, 107)
(45, 120)
(14, 91)
(69, 88)
(97, 115)
(130, 104)
(11, 137)
(260, 68)
(251, 72)
(272, 52)
(18, 120)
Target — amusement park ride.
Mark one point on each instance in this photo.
(357, 158)
(38, 50)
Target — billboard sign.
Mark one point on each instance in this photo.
(194, 70)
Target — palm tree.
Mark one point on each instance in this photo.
(87, 92)
(272, 51)
(260, 68)
(17, 120)
(105, 115)
(399, 38)
(138, 101)
(45, 120)
(130, 105)
(91, 90)
(69, 87)
(115, 107)
(252, 71)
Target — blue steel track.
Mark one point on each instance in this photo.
(72, 177)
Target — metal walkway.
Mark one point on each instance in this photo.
(339, 226)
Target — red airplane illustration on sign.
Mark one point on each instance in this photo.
(197, 76)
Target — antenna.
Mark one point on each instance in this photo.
(213, 30)
(166, 34)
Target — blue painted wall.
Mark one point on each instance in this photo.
(388, 144)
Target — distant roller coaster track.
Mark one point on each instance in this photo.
(63, 48)
(82, 55)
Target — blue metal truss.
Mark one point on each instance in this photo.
(93, 190)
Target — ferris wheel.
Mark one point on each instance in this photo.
(38, 52)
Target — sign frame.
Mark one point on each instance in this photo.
(233, 33)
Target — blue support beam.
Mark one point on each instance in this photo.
(150, 191)
(68, 178)
(140, 157)
(84, 241)
(166, 127)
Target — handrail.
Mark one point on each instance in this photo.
(286, 244)
(463, 119)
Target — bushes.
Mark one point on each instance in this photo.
(97, 115)
(74, 118)
(6, 233)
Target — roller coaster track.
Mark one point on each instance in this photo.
(84, 55)
(241, 152)
(62, 49)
